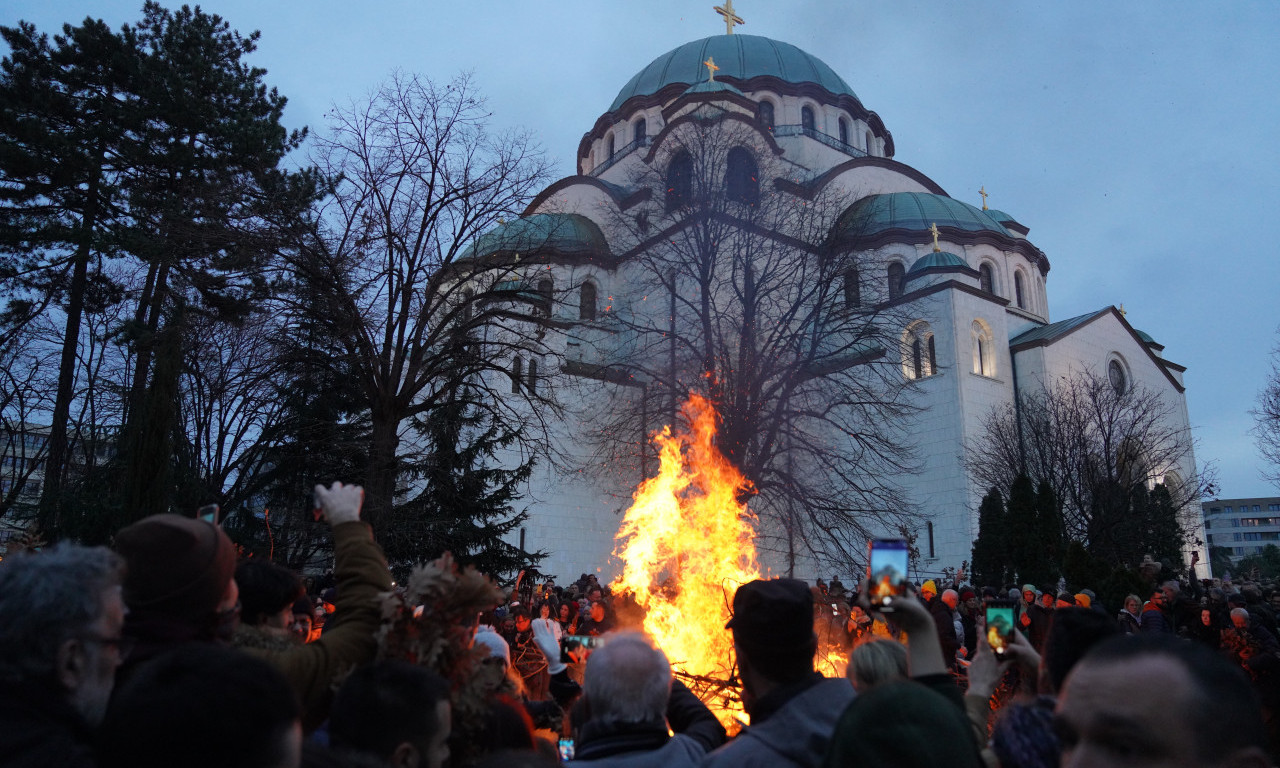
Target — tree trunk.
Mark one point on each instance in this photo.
(380, 480)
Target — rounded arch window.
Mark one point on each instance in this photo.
(639, 131)
(844, 131)
(587, 301)
(871, 143)
(679, 181)
(742, 182)
(608, 146)
(1019, 289)
(766, 114)
(897, 277)
(852, 288)
(806, 118)
(517, 374)
(984, 353)
(986, 277)
(1117, 376)
(919, 351)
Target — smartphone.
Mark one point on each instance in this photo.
(1000, 626)
(210, 513)
(886, 570)
(566, 750)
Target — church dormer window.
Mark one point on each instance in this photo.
(679, 181)
(986, 278)
(806, 118)
(587, 301)
(766, 115)
(844, 131)
(897, 276)
(640, 132)
(742, 182)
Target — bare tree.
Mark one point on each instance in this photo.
(1266, 430)
(751, 300)
(418, 176)
(1094, 443)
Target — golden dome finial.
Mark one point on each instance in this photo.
(730, 18)
(933, 230)
(983, 191)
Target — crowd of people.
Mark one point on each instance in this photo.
(164, 650)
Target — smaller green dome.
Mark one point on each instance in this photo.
(565, 233)
(915, 211)
(713, 86)
(939, 259)
(1146, 337)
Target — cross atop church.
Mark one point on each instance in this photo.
(933, 230)
(710, 64)
(730, 18)
(983, 191)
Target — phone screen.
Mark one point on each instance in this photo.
(1000, 625)
(566, 749)
(887, 570)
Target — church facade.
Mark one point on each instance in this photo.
(956, 295)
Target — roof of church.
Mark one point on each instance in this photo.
(914, 211)
(936, 259)
(1054, 330)
(569, 233)
(738, 57)
(1146, 337)
(713, 86)
(999, 215)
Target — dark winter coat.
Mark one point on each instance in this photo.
(40, 729)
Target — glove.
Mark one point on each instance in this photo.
(340, 503)
(546, 641)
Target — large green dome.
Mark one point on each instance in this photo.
(739, 57)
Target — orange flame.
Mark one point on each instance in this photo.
(687, 544)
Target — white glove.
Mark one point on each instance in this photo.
(340, 503)
(546, 642)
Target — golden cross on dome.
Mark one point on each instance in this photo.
(711, 65)
(983, 192)
(730, 18)
(933, 230)
(1122, 312)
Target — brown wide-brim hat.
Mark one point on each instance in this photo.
(179, 567)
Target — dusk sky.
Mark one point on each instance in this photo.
(1139, 141)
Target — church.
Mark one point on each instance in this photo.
(895, 319)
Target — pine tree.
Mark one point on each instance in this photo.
(990, 549)
(1025, 555)
(1048, 532)
(467, 502)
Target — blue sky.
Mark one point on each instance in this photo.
(1137, 140)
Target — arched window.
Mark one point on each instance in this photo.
(608, 146)
(852, 289)
(468, 296)
(533, 376)
(587, 301)
(986, 279)
(640, 132)
(1019, 293)
(679, 181)
(1116, 375)
(517, 373)
(984, 360)
(742, 183)
(871, 143)
(766, 115)
(844, 131)
(544, 293)
(806, 118)
(918, 356)
(897, 275)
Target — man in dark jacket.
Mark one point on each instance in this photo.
(793, 709)
(62, 613)
(631, 701)
(943, 610)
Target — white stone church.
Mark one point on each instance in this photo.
(965, 285)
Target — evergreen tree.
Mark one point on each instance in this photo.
(990, 549)
(1024, 553)
(466, 505)
(1048, 531)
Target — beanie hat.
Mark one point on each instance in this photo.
(1083, 600)
(772, 615)
(178, 567)
(492, 642)
(903, 723)
(967, 594)
(929, 586)
(1029, 588)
